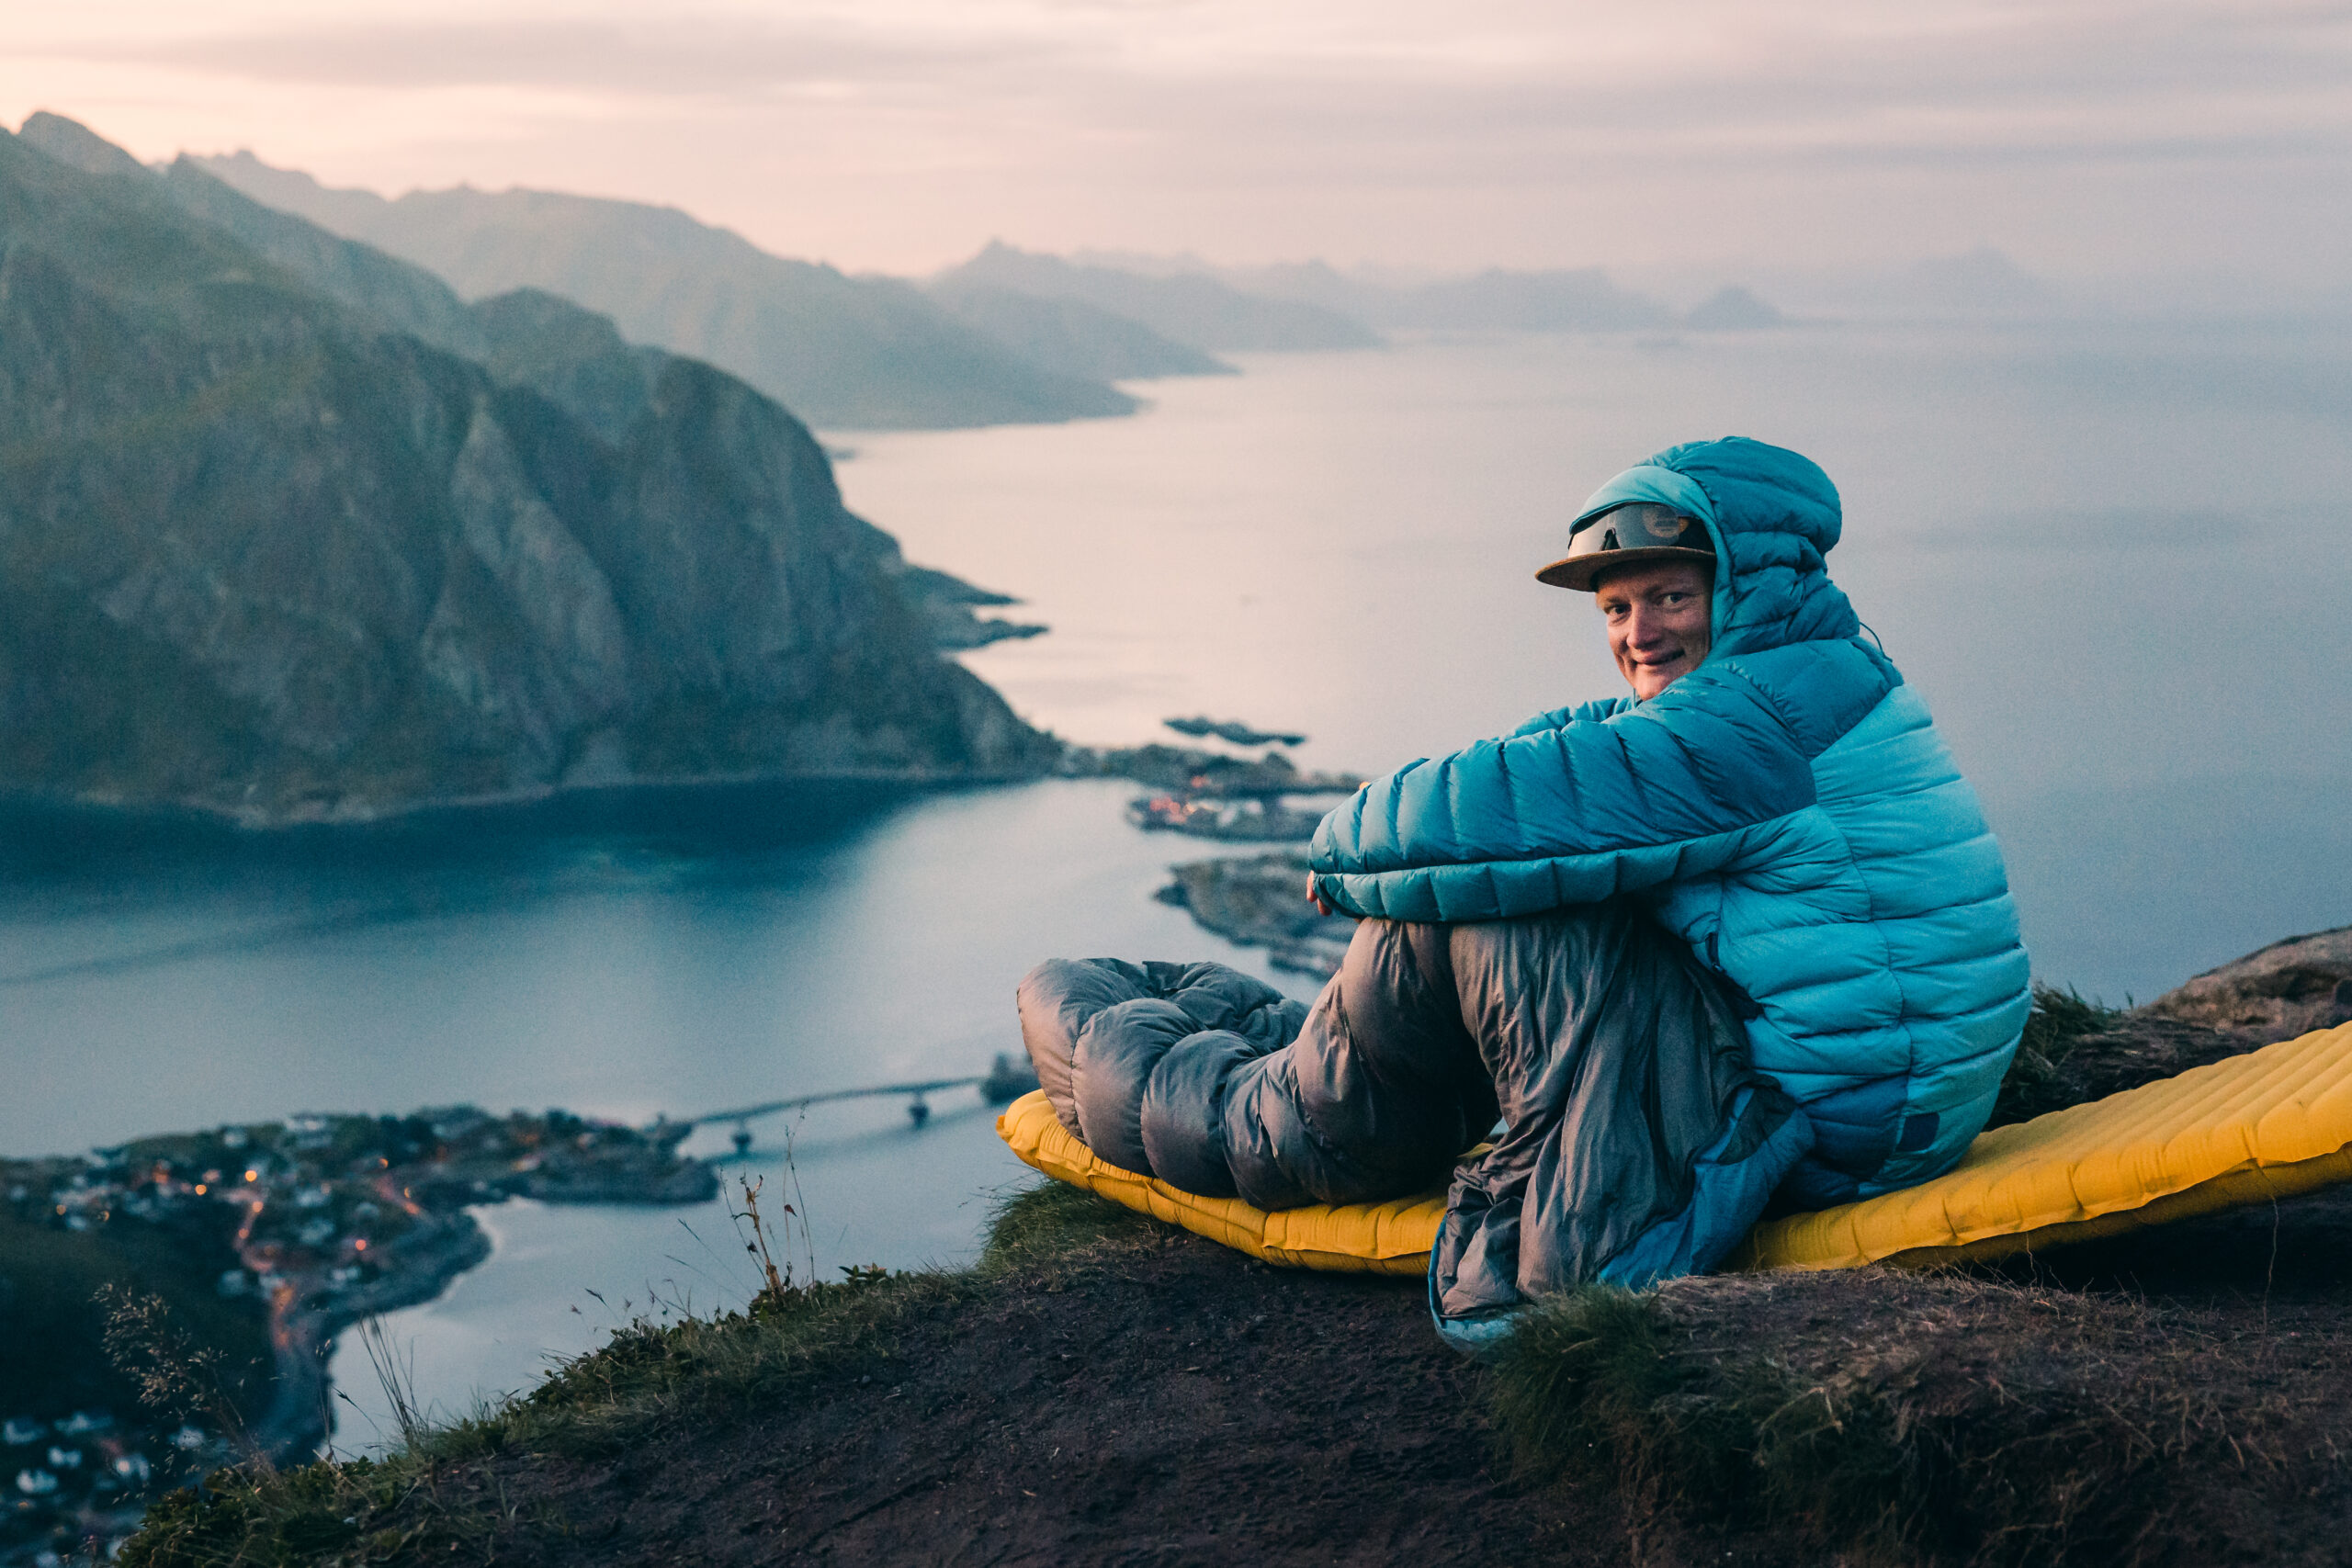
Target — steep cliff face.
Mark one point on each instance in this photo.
(260, 551)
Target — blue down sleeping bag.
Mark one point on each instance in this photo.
(1786, 808)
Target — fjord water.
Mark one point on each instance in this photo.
(2112, 555)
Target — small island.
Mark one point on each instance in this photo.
(1260, 901)
(1235, 731)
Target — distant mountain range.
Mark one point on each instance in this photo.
(287, 530)
(1220, 306)
(1732, 309)
(1574, 299)
(840, 352)
(1194, 309)
(1008, 336)
(1981, 280)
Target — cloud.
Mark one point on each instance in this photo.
(712, 57)
(1132, 116)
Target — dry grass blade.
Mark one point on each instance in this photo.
(173, 1377)
(396, 1376)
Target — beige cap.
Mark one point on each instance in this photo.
(1633, 535)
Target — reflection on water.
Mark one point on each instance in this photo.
(669, 952)
(130, 878)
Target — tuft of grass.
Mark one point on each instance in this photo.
(779, 1290)
(2037, 1081)
(396, 1376)
(1599, 1380)
(175, 1376)
(1585, 1371)
(1858, 1458)
(245, 1519)
(1053, 1225)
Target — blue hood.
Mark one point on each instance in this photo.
(1774, 515)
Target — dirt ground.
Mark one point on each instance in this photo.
(2179, 1400)
(1185, 1406)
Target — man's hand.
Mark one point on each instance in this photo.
(1316, 897)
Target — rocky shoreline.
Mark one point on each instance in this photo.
(429, 1170)
(1254, 900)
(306, 1315)
(1186, 773)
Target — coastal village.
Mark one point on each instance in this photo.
(1213, 794)
(298, 1229)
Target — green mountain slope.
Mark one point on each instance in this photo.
(842, 352)
(262, 552)
(400, 295)
(526, 337)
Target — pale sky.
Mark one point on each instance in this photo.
(2084, 137)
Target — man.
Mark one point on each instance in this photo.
(1741, 931)
(1772, 792)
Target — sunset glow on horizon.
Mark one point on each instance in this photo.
(2083, 138)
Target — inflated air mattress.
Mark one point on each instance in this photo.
(2270, 1124)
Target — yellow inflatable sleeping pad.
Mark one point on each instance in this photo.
(2252, 1129)
(1354, 1239)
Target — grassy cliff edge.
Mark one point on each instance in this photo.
(1101, 1389)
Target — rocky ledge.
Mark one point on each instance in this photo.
(2288, 988)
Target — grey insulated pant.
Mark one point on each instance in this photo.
(1636, 1141)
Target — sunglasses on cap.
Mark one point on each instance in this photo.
(1632, 535)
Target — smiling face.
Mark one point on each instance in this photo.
(1659, 621)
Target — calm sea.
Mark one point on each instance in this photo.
(2112, 556)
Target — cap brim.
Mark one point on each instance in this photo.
(1579, 571)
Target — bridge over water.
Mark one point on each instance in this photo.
(1006, 1081)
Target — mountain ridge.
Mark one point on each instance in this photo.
(843, 352)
